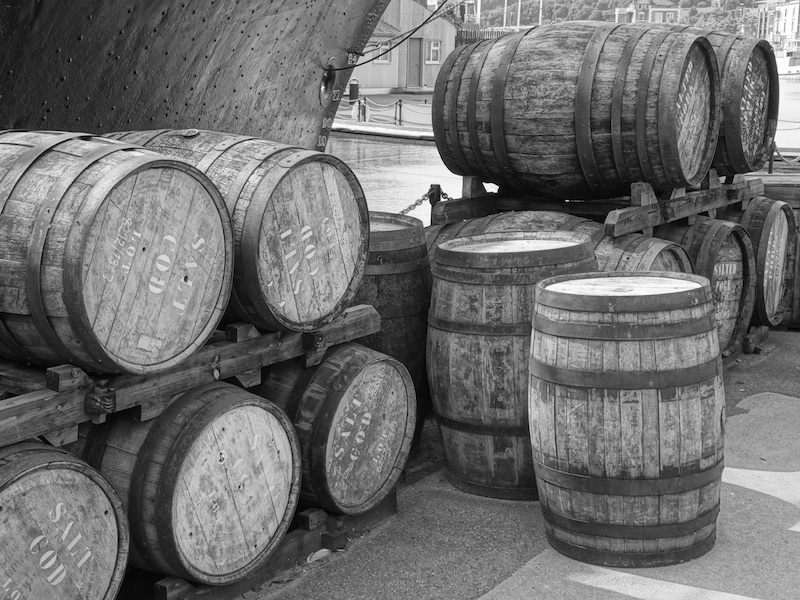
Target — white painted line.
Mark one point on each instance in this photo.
(784, 485)
(645, 588)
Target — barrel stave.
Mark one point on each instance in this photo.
(624, 436)
(78, 209)
(631, 252)
(210, 485)
(397, 282)
(354, 414)
(300, 224)
(479, 331)
(608, 106)
(65, 533)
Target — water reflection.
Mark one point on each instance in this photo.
(394, 172)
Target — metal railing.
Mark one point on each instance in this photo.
(400, 112)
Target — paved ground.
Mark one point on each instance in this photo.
(444, 544)
(448, 545)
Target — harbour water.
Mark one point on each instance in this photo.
(395, 173)
(788, 133)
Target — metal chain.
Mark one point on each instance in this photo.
(786, 160)
(425, 196)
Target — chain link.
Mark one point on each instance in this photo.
(786, 160)
(425, 196)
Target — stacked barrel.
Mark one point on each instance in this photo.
(580, 111)
(123, 256)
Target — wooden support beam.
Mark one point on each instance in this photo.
(472, 187)
(680, 204)
(43, 410)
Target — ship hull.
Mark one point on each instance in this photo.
(253, 67)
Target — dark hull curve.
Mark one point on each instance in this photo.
(251, 67)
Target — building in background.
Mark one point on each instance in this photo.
(649, 11)
(414, 64)
(779, 24)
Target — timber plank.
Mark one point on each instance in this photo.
(40, 410)
(20, 379)
(636, 218)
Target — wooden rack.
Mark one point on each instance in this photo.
(53, 402)
(641, 211)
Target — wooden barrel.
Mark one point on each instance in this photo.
(749, 101)
(792, 316)
(528, 220)
(580, 109)
(478, 337)
(773, 232)
(627, 416)
(301, 225)
(637, 252)
(631, 252)
(355, 414)
(210, 486)
(723, 252)
(397, 282)
(115, 258)
(64, 532)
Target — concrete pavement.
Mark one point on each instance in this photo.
(445, 544)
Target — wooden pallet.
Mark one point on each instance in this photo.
(641, 211)
(312, 530)
(53, 402)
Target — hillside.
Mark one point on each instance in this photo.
(728, 17)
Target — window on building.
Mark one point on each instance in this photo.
(433, 51)
(659, 17)
(386, 58)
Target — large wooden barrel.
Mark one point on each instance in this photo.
(749, 101)
(397, 282)
(722, 252)
(792, 316)
(355, 414)
(115, 258)
(527, 220)
(638, 252)
(627, 416)
(580, 109)
(301, 224)
(478, 337)
(210, 486)
(631, 252)
(64, 533)
(773, 232)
